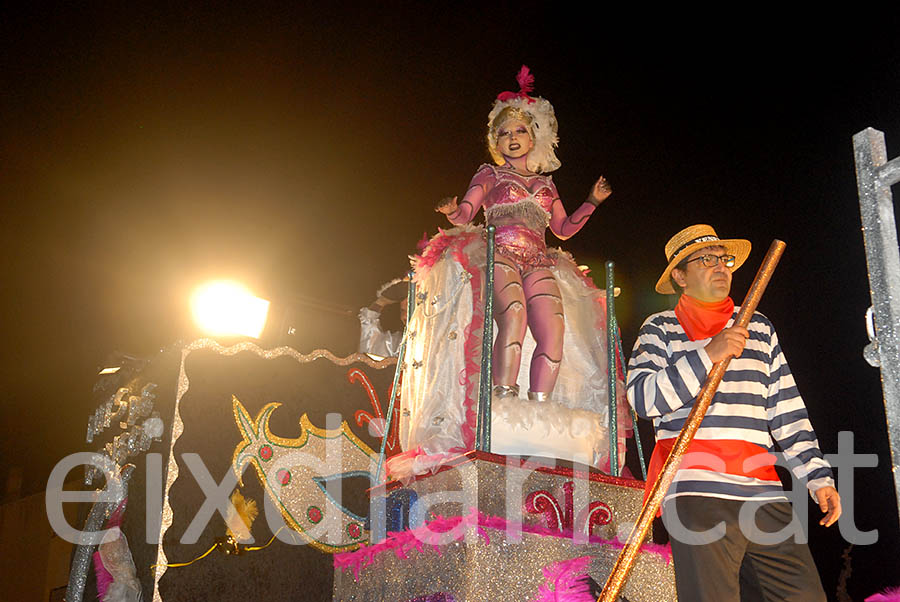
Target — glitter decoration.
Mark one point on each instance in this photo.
(293, 483)
(874, 177)
(100, 512)
(500, 486)
(440, 556)
(399, 504)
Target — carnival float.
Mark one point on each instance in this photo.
(486, 453)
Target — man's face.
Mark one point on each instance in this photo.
(705, 284)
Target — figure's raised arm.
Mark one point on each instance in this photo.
(467, 209)
(565, 226)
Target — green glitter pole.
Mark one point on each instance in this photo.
(483, 431)
(401, 353)
(611, 372)
(634, 418)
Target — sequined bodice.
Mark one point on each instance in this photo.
(526, 200)
(511, 187)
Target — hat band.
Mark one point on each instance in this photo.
(707, 238)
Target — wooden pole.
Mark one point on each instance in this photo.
(628, 555)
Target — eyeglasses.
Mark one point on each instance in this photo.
(711, 261)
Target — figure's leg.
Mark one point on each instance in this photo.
(547, 323)
(509, 312)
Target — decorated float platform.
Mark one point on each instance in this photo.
(489, 527)
(314, 516)
(482, 526)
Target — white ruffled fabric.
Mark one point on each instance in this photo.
(116, 556)
(437, 386)
(373, 339)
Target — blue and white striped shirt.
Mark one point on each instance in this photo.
(757, 402)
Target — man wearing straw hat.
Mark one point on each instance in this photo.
(726, 500)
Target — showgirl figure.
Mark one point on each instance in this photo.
(547, 311)
(520, 201)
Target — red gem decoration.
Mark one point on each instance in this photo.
(265, 452)
(314, 514)
(284, 477)
(354, 531)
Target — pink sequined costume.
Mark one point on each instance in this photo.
(536, 289)
(525, 292)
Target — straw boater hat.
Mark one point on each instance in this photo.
(694, 238)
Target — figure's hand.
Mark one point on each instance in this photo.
(728, 343)
(447, 205)
(830, 503)
(600, 192)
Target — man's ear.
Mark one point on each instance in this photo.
(678, 277)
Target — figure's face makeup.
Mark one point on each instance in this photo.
(514, 139)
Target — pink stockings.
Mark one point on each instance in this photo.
(529, 299)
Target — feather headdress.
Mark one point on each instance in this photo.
(542, 120)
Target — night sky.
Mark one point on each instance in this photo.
(302, 150)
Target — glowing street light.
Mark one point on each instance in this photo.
(227, 308)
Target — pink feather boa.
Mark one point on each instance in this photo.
(888, 595)
(566, 582)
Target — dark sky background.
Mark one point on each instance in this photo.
(301, 150)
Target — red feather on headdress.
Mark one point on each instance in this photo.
(525, 79)
(526, 85)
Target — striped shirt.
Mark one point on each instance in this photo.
(757, 402)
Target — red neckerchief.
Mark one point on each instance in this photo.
(702, 320)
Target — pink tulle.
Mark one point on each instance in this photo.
(104, 577)
(436, 532)
(566, 582)
(888, 595)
